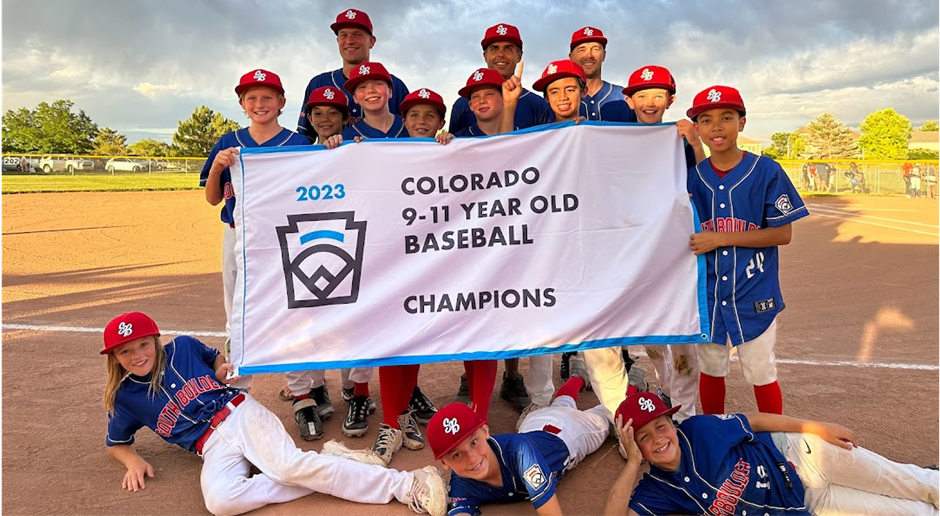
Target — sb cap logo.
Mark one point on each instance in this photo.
(322, 258)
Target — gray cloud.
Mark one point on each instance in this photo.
(141, 66)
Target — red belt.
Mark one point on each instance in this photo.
(217, 419)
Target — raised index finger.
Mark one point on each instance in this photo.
(519, 69)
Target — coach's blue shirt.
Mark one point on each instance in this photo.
(595, 107)
(338, 80)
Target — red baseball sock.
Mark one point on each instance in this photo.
(361, 389)
(571, 388)
(769, 398)
(302, 396)
(711, 391)
(483, 373)
(390, 385)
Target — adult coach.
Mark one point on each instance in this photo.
(353, 30)
(604, 101)
(502, 51)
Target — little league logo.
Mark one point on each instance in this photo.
(125, 329)
(322, 258)
(783, 204)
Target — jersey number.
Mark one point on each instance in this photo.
(757, 262)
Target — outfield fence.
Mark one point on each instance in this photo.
(75, 164)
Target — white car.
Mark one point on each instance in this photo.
(49, 164)
(124, 165)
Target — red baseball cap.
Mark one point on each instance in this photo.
(650, 77)
(482, 77)
(450, 426)
(366, 71)
(643, 407)
(352, 18)
(502, 32)
(588, 35)
(558, 70)
(327, 96)
(716, 97)
(423, 96)
(259, 77)
(127, 327)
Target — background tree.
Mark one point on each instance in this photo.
(109, 142)
(885, 135)
(785, 146)
(930, 125)
(923, 154)
(196, 136)
(827, 138)
(148, 147)
(48, 129)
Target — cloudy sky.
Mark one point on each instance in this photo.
(140, 66)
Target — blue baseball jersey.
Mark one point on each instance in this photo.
(472, 130)
(187, 400)
(531, 111)
(605, 105)
(531, 464)
(362, 129)
(241, 138)
(338, 80)
(743, 283)
(726, 468)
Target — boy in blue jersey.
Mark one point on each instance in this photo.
(757, 464)
(513, 467)
(745, 204)
(261, 96)
(355, 39)
(371, 87)
(502, 51)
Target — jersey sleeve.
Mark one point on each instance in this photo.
(121, 428)
(401, 91)
(537, 475)
(732, 429)
(782, 204)
(303, 125)
(462, 500)
(460, 116)
(204, 175)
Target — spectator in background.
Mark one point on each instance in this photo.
(915, 182)
(931, 179)
(906, 168)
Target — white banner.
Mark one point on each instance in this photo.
(407, 251)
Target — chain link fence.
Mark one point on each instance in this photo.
(862, 176)
(71, 164)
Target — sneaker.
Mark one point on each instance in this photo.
(410, 433)
(662, 395)
(565, 367)
(336, 448)
(305, 414)
(513, 391)
(428, 494)
(387, 443)
(578, 369)
(356, 423)
(349, 394)
(421, 407)
(525, 413)
(324, 406)
(463, 393)
(637, 378)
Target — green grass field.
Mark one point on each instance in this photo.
(13, 184)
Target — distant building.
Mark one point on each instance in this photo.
(927, 140)
(745, 143)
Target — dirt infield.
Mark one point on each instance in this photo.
(858, 344)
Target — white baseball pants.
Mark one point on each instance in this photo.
(608, 377)
(758, 362)
(229, 274)
(582, 431)
(538, 380)
(676, 367)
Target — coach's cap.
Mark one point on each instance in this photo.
(643, 407)
(127, 327)
(558, 70)
(588, 35)
(482, 77)
(366, 71)
(423, 96)
(650, 77)
(327, 96)
(716, 97)
(450, 426)
(502, 32)
(352, 18)
(259, 77)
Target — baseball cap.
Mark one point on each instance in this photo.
(502, 32)
(127, 327)
(558, 70)
(423, 96)
(352, 18)
(482, 77)
(716, 97)
(366, 71)
(587, 35)
(650, 77)
(643, 407)
(450, 426)
(259, 77)
(327, 96)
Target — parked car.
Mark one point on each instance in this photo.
(124, 165)
(49, 164)
(14, 164)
